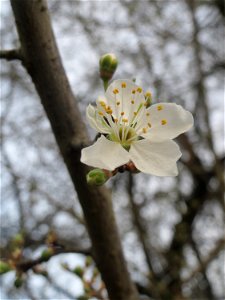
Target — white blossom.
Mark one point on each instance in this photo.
(132, 132)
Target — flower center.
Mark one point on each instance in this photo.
(125, 136)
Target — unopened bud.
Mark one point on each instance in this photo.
(95, 272)
(18, 281)
(46, 254)
(79, 271)
(88, 261)
(4, 267)
(18, 240)
(17, 253)
(107, 65)
(96, 177)
(83, 297)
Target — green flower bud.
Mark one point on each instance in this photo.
(18, 282)
(79, 271)
(88, 261)
(95, 272)
(107, 65)
(96, 177)
(18, 240)
(46, 254)
(83, 297)
(4, 267)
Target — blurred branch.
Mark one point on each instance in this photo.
(138, 222)
(16, 189)
(25, 265)
(201, 91)
(221, 6)
(203, 269)
(13, 54)
(59, 289)
(206, 261)
(142, 234)
(43, 63)
(183, 232)
(60, 207)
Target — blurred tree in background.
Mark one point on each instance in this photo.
(172, 229)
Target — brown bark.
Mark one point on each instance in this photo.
(42, 61)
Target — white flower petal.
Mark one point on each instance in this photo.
(96, 121)
(127, 100)
(167, 120)
(155, 158)
(104, 154)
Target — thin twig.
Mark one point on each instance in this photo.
(29, 264)
(205, 262)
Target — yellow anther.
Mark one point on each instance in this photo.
(164, 122)
(160, 107)
(123, 85)
(144, 130)
(149, 125)
(148, 95)
(147, 114)
(139, 89)
(133, 91)
(115, 91)
(118, 103)
(135, 113)
(115, 120)
(122, 113)
(125, 120)
(102, 103)
(109, 111)
(146, 104)
(100, 113)
(132, 101)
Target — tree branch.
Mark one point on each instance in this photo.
(43, 63)
(12, 54)
(29, 264)
(206, 261)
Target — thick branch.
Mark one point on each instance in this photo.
(42, 61)
(11, 54)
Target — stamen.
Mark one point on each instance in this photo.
(102, 103)
(123, 85)
(122, 113)
(133, 92)
(132, 101)
(164, 122)
(135, 113)
(100, 113)
(115, 91)
(139, 89)
(148, 94)
(115, 120)
(149, 125)
(109, 111)
(160, 107)
(125, 120)
(118, 103)
(144, 130)
(147, 114)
